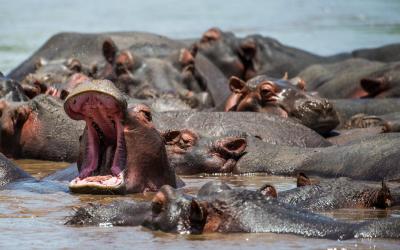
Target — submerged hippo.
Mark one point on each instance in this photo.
(229, 211)
(335, 193)
(120, 150)
(284, 98)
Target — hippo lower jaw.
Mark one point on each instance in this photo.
(106, 184)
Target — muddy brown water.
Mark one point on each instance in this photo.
(36, 221)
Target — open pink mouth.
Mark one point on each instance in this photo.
(104, 156)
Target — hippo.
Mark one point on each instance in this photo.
(353, 78)
(346, 108)
(284, 98)
(11, 90)
(267, 127)
(191, 153)
(230, 211)
(254, 55)
(39, 129)
(120, 150)
(336, 193)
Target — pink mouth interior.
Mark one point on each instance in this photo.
(102, 114)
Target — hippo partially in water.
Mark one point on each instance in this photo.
(282, 97)
(229, 211)
(120, 150)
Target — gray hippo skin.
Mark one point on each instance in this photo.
(387, 53)
(9, 172)
(233, 211)
(267, 127)
(254, 55)
(346, 108)
(282, 97)
(353, 78)
(336, 193)
(372, 158)
(39, 129)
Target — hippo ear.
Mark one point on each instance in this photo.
(40, 62)
(374, 85)
(231, 146)
(268, 190)
(298, 82)
(211, 35)
(303, 180)
(236, 85)
(109, 50)
(74, 65)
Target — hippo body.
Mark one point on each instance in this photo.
(232, 211)
(39, 129)
(353, 78)
(269, 128)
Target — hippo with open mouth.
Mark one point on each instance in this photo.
(120, 150)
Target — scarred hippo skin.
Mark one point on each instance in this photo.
(231, 211)
(282, 97)
(337, 193)
(254, 54)
(373, 158)
(354, 78)
(39, 129)
(267, 127)
(10, 90)
(120, 150)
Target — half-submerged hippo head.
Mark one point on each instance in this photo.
(191, 154)
(282, 97)
(120, 149)
(174, 211)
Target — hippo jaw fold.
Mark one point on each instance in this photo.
(103, 160)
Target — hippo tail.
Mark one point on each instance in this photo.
(382, 228)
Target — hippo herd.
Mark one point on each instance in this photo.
(135, 110)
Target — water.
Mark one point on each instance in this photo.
(324, 27)
(30, 220)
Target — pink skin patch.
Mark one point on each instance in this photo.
(102, 114)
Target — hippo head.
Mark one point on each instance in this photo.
(146, 77)
(120, 149)
(11, 90)
(174, 211)
(55, 77)
(223, 50)
(190, 154)
(383, 83)
(284, 98)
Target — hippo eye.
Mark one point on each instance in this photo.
(156, 207)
